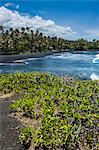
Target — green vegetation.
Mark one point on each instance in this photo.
(26, 136)
(26, 40)
(65, 110)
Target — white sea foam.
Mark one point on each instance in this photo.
(5, 64)
(13, 64)
(29, 59)
(94, 76)
(23, 62)
(96, 58)
(1, 64)
(72, 57)
(19, 61)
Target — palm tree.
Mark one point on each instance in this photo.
(37, 33)
(11, 29)
(26, 40)
(23, 29)
(1, 29)
(27, 28)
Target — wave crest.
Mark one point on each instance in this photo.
(94, 76)
(96, 58)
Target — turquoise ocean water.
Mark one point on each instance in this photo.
(83, 65)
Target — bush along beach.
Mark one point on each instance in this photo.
(64, 112)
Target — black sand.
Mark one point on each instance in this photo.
(9, 126)
(12, 58)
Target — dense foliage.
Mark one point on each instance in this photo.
(65, 111)
(26, 40)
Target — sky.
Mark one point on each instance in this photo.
(69, 19)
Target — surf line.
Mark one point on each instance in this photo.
(96, 58)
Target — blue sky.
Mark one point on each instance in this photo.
(81, 16)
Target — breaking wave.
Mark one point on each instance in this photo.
(17, 62)
(72, 57)
(94, 76)
(96, 59)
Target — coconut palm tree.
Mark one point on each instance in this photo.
(26, 40)
(1, 29)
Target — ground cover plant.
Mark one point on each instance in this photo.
(66, 111)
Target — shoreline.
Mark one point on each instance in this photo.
(10, 58)
(14, 57)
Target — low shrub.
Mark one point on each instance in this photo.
(67, 111)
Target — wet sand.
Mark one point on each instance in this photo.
(9, 126)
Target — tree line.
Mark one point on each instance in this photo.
(25, 40)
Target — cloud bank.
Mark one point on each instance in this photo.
(93, 32)
(9, 18)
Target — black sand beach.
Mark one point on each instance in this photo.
(9, 126)
(13, 57)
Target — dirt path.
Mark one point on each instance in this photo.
(9, 127)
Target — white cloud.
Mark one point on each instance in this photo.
(8, 4)
(11, 5)
(9, 18)
(93, 32)
(17, 6)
